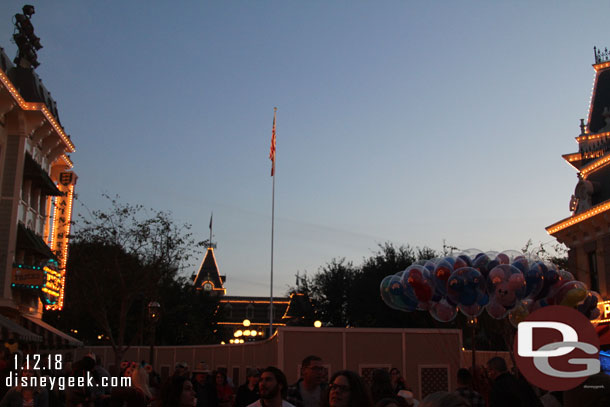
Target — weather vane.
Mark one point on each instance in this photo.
(26, 41)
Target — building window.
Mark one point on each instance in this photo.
(274, 312)
(250, 311)
(594, 278)
(229, 310)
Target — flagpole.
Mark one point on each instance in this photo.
(272, 227)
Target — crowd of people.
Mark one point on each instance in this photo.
(202, 387)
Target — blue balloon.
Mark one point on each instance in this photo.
(520, 265)
(551, 276)
(402, 296)
(466, 287)
(534, 281)
(440, 275)
(481, 263)
(451, 260)
(465, 258)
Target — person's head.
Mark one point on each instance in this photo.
(496, 366)
(395, 375)
(221, 378)
(312, 370)
(347, 389)
(139, 380)
(201, 372)
(272, 384)
(464, 378)
(181, 369)
(252, 377)
(178, 393)
(443, 399)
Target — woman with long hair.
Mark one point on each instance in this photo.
(178, 392)
(398, 382)
(223, 390)
(346, 389)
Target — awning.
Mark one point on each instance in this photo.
(32, 170)
(26, 239)
(19, 332)
(53, 337)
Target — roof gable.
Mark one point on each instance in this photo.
(208, 272)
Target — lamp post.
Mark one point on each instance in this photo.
(472, 323)
(154, 312)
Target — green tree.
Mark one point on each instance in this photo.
(348, 295)
(187, 316)
(367, 308)
(331, 288)
(118, 259)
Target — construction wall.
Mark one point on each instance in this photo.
(428, 358)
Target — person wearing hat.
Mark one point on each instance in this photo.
(204, 387)
(181, 369)
(247, 393)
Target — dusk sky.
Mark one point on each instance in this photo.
(398, 121)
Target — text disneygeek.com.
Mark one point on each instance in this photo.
(61, 383)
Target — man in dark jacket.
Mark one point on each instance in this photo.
(204, 386)
(309, 390)
(506, 390)
(248, 393)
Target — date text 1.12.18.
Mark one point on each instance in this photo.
(38, 362)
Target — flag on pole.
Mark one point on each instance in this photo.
(211, 220)
(272, 149)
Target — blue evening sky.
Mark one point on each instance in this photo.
(402, 121)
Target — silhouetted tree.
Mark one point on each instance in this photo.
(348, 295)
(118, 259)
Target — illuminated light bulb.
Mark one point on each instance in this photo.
(247, 332)
(246, 322)
(252, 333)
(232, 341)
(238, 333)
(317, 324)
(222, 342)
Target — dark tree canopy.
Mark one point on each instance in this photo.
(121, 259)
(348, 295)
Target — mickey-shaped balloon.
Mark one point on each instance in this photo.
(418, 278)
(396, 295)
(441, 274)
(443, 311)
(506, 285)
(466, 288)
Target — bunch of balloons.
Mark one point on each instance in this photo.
(507, 284)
